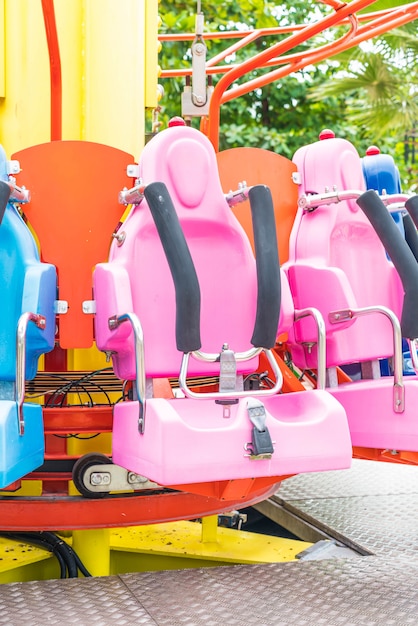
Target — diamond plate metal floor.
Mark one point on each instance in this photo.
(374, 504)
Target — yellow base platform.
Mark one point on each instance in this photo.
(174, 545)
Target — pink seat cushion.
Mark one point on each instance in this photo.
(190, 441)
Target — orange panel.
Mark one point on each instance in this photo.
(290, 380)
(73, 210)
(257, 166)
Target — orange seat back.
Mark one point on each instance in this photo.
(73, 210)
(256, 166)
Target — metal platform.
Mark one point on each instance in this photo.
(373, 506)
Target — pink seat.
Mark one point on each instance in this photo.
(337, 262)
(201, 438)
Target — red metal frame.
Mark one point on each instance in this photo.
(55, 68)
(377, 26)
(361, 28)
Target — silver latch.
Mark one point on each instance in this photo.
(261, 446)
(228, 370)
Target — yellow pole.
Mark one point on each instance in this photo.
(93, 548)
(107, 54)
(210, 529)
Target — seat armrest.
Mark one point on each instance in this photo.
(38, 296)
(112, 293)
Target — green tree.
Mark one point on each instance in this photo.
(380, 86)
(284, 115)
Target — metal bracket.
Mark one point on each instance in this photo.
(89, 307)
(239, 195)
(132, 170)
(21, 195)
(60, 307)
(109, 477)
(12, 167)
(134, 195)
(196, 97)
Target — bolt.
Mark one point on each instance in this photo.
(199, 48)
(100, 478)
(136, 478)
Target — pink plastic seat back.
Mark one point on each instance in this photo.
(337, 260)
(138, 276)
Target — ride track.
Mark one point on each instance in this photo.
(57, 510)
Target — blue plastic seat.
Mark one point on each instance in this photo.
(382, 175)
(27, 329)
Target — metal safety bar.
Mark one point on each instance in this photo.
(140, 380)
(321, 342)
(135, 194)
(22, 326)
(247, 37)
(309, 202)
(336, 317)
(229, 395)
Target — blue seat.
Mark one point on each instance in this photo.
(27, 329)
(382, 175)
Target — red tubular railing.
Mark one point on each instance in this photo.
(264, 56)
(398, 17)
(55, 69)
(362, 27)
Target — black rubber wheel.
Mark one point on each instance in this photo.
(80, 468)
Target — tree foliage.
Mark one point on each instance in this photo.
(366, 95)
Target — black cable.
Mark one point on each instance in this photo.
(68, 559)
(40, 543)
(72, 386)
(80, 564)
(61, 547)
(78, 436)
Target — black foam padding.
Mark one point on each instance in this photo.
(5, 192)
(411, 206)
(268, 268)
(411, 235)
(181, 266)
(401, 256)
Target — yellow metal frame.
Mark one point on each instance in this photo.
(109, 71)
(171, 545)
